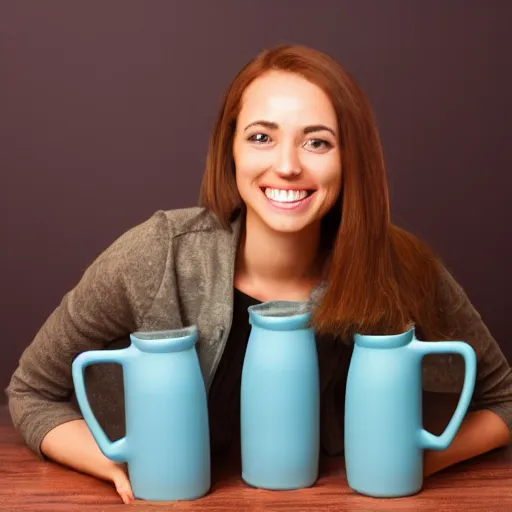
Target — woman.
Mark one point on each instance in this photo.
(294, 206)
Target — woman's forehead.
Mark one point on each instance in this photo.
(287, 97)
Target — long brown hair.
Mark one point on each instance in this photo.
(381, 279)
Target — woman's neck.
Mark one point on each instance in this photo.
(275, 265)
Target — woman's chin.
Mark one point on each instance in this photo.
(286, 224)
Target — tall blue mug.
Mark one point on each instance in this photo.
(167, 445)
(280, 398)
(384, 437)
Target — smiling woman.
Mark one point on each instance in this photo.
(292, 156)
(294, 120)
(294, 206)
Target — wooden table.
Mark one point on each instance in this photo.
(28, 484)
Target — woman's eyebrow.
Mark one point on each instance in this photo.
(318, 128)
(274, 126)
(266, 124)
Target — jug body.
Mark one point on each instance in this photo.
(280, 399)
(384, 438)
(166, 446)
(167, 424)
(382, 420)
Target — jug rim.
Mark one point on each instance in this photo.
(297, 316)
(166, 340)
(383, 341)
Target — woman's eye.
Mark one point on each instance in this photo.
(319, 144)
(260, 138)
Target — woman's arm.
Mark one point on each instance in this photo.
(72, 445)
(488, 425)
(480, 432)
(109, 302)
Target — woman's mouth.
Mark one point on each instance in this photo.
(287, 199)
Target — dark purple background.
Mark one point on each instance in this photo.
(106, 108)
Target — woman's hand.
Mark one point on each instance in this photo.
(122, 484)
(71, 444)
(480, 432)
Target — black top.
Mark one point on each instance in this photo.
(224, 396)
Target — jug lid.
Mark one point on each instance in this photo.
(171, 340)
(384, 340)
(280, 315)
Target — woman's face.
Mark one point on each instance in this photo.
(286, 153)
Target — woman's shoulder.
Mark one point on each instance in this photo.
(450, 292)
(131, 268)
(163, 226)
(410, 246)
(148, 247)
(191, 220)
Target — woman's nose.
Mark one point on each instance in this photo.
(288, 162)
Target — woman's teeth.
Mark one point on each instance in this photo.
(285, 196)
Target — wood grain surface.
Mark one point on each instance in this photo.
(29, 484)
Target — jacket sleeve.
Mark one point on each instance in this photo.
(108, 302)
(493, 387)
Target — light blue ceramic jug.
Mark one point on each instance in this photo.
(384, 438)
(167, 445)
(280, 398)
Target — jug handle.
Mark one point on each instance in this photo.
(117, 450)
(428, 440)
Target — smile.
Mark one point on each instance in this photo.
(296, 200)
(286, 196)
